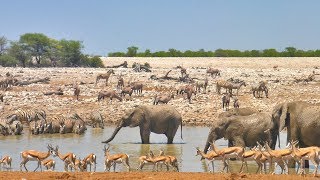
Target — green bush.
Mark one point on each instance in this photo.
(92, 61)
(8, 61)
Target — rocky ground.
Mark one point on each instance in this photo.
(143, 175)
(205, 107)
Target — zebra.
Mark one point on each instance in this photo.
(28, 115)
(96, 118)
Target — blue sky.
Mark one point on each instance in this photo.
(113, 25)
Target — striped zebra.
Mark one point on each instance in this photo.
(28, 115)
(96, 118)
(54, 124)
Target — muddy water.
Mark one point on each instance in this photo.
(127, 141)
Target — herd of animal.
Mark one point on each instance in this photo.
(72, 163)
(242, 127)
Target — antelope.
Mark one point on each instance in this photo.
(79, 165)
(227, 153)
(91, 159)
(144, 160)
(309, 153)
(115, 159)
(6, 162)
(255, 155)
(120, 84)
(109, 93)
(76, 92)
(226, 101)
(126, 90)
(158, 159)
(50, 164)
(236, 102)
(104, 76)
(96, 118)
(136, 87)
(163, 99)
(210, 157)
(215, 72)
(33, 155)
(173, 160)
(68, 159)
(279, 157)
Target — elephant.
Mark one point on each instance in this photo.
(245, 131)
(237, 112)
(160, 119)
(302, 121)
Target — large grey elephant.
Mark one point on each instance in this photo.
(302, 120)
(160, 119)
(244, 131)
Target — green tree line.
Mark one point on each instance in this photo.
(38, 50)
(288, 52)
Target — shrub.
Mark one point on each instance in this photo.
(8, 61)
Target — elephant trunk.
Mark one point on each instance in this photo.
(209, 139)
(113, 134)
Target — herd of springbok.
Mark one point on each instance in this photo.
(261, 154)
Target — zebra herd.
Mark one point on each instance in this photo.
(38, 123)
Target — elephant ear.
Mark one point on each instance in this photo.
(282, 120)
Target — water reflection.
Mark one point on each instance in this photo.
(127, 141)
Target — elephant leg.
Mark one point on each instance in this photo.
(145, 136)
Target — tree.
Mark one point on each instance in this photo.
(8, 61)
(71, 52)
(19, 51)
(132, 51)
(270, 53)
(37, 44)
(290, 52)
(54, 52)
(3, 43)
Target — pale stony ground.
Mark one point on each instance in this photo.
(205, 106)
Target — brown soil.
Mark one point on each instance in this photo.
(142, 175)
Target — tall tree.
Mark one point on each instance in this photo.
(71, 52)
(19, 51)
(37, 44)
(3, 43)
(132, 51)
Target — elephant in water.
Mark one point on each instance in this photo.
(302, 120)
(244, 131)
(160, 119)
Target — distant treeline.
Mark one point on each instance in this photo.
(288, 52)
(36, 49)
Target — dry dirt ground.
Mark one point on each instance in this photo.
(142, 175)
(204, 109)
(205, 106)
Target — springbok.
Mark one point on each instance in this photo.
(227, 153)
(115, 159)
(50, 164)
(309, 153)
(173, 160)
(68, 159)
(6, 162)
(210, 157)
(91, 159)
(33, 155)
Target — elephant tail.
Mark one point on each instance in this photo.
(181, 129)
